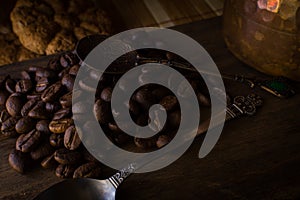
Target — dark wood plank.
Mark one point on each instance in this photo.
(256, 157)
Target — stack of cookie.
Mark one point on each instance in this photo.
(44, 27)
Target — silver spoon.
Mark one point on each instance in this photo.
(86, 188)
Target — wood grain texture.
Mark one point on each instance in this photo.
(256, 157)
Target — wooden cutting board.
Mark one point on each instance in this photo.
(256, 157)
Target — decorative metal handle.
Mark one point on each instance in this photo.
(121, 175)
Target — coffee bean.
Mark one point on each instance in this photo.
(57, 140)
(174, 119)
(23, 86)
(34, 68)
(24, 125)
(86, 85)
(134, 107)
(10, 85)
(65, 171)
(162, 141)
(27, 107)
(28, 142)
(60, 126)
(80, 107)
(49, 162)
(145, 143)
(102, 111)
(43, 126)
(87, 156)
(14, 104)
(88, 170)
(121, 138)
(42, 84)
(145, 98)
(68, 81)
(62, 113)
(3, 96)
(25, 75)
(52, 93)
(66, 100)
(8, 127)
(74, 70)
(19, 161)
(169, 102)
(44, 73)
(114, 127)
(67, 157)
(4, 116)
(106, 94)
(39, 111)
(203, 100)
(68, 59)
(63, 72)
(54, 64)
(33, 96)
(72, 140)
(52, 107)
(42, 151)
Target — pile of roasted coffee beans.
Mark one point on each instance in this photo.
(37, 110)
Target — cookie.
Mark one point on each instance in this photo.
(33, 23)
(63, 40)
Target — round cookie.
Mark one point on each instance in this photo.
(62, 41)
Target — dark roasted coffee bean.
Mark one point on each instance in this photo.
(67, 157)
(87, 156)
(14, 104)
(66, 100)
(24, 125)
(39, 111)
(25, 75)
(63, 72)
(60, 126)
(114, 127)
(174, 119)
(106, 94)
(80, 107)
(69, 59)
(134, 108)
(88, 170)
(102, 111)
(27, 107)
(42, 84)
(86, 85)
(52, 107)
(4, 116)
(203, 100)
(65, 171)
(62, 113)
(145, 143)
(23, 86)
(54, 64)
(68, 81)
(56, 140)
(52, 92)
(162, 140)
(10, 85)
(74, 70)
(121, 138)
(43, 126)
(33, 96)
(34, 68)
(72, 140)
(19, 161)
(28, 142)
(169, 102)
(49, 162)
(143, 120)
(44, 73)
(8, 127)
(145, 98)
(3, 96)
(42, 151)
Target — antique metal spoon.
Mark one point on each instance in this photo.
(86, 188)
(90, 189)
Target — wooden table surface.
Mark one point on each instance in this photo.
(256, 157)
